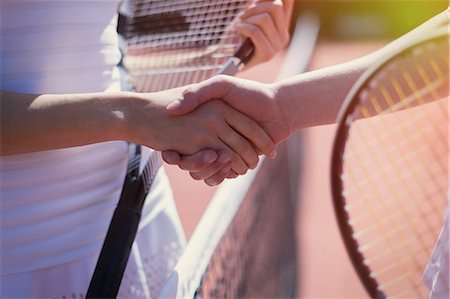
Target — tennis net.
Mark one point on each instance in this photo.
(244, 246)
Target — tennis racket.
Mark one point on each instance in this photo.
(166, 44)
(389, 166)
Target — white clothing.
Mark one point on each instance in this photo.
(56, 205)
(436, 276)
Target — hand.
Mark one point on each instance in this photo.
(254, 99)
(207, 165)
(266, 23)
(215, 126)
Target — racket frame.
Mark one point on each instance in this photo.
(341, 136)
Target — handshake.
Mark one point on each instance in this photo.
(215, 129)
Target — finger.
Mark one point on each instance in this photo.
(218, 177)
(198, 161)
(212, 169)
(195, 95)
(280, 14)
(232, 175)
(252, 131)
(267, 25)
(171, 157)
(240, 146)
(238, 164)
(258, 38)
(288, 7)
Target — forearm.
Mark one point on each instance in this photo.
(314, 98)
(50, 121)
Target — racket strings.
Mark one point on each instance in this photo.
(385, 230)
(418, 236)
(175, 43)
(400, 94)
(384, 227)
(428, 86)
(395, 167)
(400, 178)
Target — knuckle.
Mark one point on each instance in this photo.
(264, 18)
(220, 80)
(211, 123)
(203, 139)
(217, 105)
(187, 92)
(253, 30)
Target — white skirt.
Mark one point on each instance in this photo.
(50, 245)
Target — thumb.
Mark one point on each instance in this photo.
(195, 95)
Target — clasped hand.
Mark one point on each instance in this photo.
(245, 115)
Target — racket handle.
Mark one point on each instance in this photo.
(114, 255)
(235, 63)
(245, 51)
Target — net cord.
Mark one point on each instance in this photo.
(186, 277)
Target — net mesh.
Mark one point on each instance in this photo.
(174, 43)
(395, 167)
(245, 244)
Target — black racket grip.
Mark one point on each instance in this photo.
(245, 51)
(114, 255)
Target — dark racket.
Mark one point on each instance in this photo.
(389, 167)
(166, 44)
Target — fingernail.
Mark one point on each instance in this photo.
(210, 157)
(174, 105)
(210, 183)
(224, 158)
(273, 154)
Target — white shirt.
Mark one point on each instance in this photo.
(436, 276)
(56, 205)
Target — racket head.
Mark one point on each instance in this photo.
(167, 44)
(378, 230)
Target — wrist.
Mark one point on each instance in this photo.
(120, 119)
(282, 96)
(144, 119)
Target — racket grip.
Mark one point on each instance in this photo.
(114, 255)
(235, 63)
(245, 51)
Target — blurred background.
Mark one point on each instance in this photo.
(347, 30)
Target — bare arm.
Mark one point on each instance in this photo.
(42, 122)
(284, 107)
